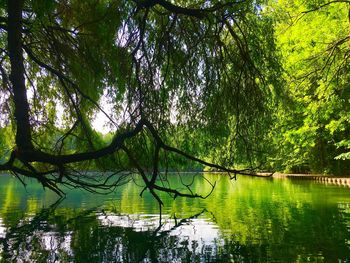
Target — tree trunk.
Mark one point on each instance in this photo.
(21, 112)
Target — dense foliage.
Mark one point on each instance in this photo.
(308, 129)
(312, 130)
(175, 80)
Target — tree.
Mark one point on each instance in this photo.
(161, 66)
(312, 130)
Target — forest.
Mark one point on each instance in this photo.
(151, 86)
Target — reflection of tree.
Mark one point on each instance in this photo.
(254, 221)
(82, 238)
(283, 220)
(13, 241)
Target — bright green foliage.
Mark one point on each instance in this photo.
(311, 131)
(6, 142)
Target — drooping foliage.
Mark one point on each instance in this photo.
(174, 79)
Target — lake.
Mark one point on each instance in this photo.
(247, 220)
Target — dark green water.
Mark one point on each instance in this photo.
(248, 220)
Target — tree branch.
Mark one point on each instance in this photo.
(324, 5)
(199, 13)
(115, 145)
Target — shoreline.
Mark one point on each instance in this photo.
(325, 179)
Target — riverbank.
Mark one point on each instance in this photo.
(334, 180)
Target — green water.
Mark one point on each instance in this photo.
(248, 220)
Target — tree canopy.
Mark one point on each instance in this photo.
(313, 130)
(164, 68)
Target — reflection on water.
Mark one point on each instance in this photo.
(248, 220)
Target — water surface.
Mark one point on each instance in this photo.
(248, 220)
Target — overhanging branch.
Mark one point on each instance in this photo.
(199, 13)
